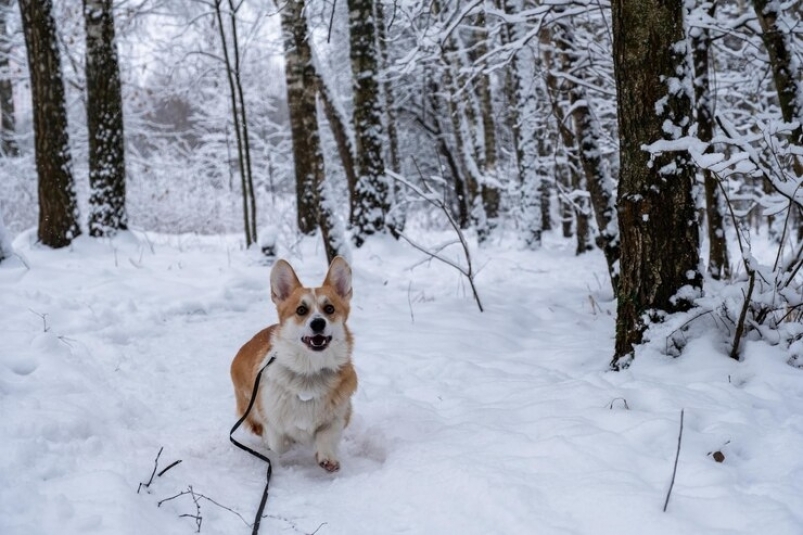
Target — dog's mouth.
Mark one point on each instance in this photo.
(318, 342)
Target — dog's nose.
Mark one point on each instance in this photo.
(317, 325)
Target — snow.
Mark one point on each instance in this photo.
(506, 421)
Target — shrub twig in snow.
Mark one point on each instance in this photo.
(156, 467)
(677, 456)
(45, 327)
(153, 474)
(197, 497)
(432, 197)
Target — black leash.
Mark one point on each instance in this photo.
(256, 454)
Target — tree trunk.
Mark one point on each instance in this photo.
(437, 130)
(5, 240)
(104, 109)
(248, 175)
(58, 209)
(700, 42)
(338, 126)
(373, 192)
(786, 70)
(8, 141)
(586, 134)
(301, 88)
(240, 120)
(575, 207)
(522, 115)
(659, 233)
(399, 217)
(303, 84)
(490, 180)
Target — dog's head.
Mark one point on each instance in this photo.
(313, 317)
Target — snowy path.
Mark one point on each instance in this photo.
(502, 422)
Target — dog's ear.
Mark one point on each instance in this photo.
(283, 281)
(339, 277)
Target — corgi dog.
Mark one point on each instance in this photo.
(304, 396)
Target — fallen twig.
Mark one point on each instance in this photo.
(169, 466)
(153, 474)
(677, 456)
(156, 467)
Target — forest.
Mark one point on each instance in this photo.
(654, 148)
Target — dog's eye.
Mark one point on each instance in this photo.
(302, 310)
(329, 309)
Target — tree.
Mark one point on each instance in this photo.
(700, 42)
(5, 240)
(585, 138)
(316, 204)
(8, 142)
(787, 72)
(58, 208)
(104, 110)
(521, 93)
(659, 233)
(372, 202)
(489, 187)
(238, 112)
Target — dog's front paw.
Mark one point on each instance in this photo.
(330, 465)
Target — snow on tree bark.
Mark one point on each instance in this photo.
(8, 142)
(316, 205)
(301, 89)
(586, 136)
(58, 208)
(104, 107)
(787, 72)
(373, 192)
(521, 115)
(700, 43)
(657, 220)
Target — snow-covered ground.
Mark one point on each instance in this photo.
(506, 421)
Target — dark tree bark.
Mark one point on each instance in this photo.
(315, 207)
(104, 109)
(58, 209)
(659, 233)
(8, 142)
(372, 192)
(700, 42)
